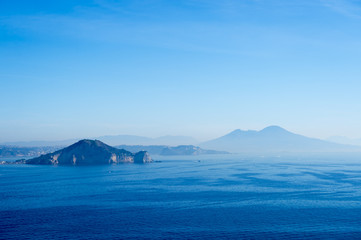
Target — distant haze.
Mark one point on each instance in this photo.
(345, 140)
(136, 140)
(114, 140)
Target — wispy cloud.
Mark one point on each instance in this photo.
(112, 23)
(349, 8)
(193, 36)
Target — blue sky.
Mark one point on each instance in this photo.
(72, 69)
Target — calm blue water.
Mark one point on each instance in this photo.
(218, 197)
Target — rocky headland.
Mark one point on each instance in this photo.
(90, 152)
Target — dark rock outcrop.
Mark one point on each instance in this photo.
(142, 157)
(90, 152)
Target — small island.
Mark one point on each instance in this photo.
(89, 152)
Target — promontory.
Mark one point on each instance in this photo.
(90, 152)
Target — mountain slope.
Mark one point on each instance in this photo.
(273, 139)
(88, 152)
(345, 140)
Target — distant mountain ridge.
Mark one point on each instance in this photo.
(90, 152)
(137, 140)
(114, 140)
(26, 152)
(169, 150)
(272, 139)
(268, 140)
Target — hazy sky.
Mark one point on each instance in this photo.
(201, 68)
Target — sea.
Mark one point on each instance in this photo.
(314, 196)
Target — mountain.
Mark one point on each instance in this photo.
(168, 150)
(90, 152)
(273, 139)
